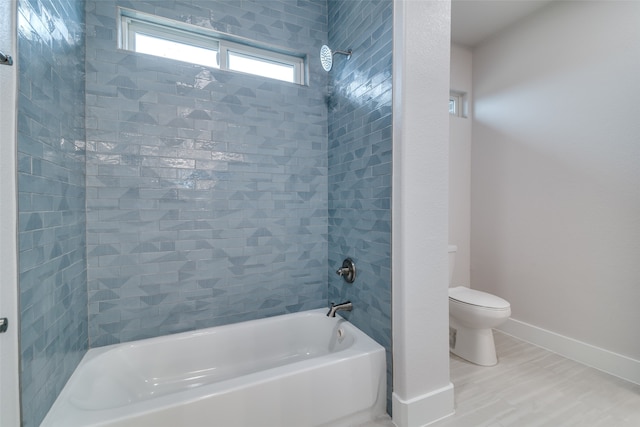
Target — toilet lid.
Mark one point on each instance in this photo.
(479, 298)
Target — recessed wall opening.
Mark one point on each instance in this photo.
(458, 104)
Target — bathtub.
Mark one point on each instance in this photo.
(295, 370)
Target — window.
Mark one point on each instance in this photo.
(153, 35)
(261, 66)
(458, 104)
(454, 105)
(187, 52)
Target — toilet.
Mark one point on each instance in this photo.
(472, 314)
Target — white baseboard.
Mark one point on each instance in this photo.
(423, 410)
(612, 363)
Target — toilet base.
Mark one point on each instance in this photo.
(474, 345)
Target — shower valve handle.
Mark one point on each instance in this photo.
(347, 271)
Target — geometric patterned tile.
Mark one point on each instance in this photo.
(51, 181)
(219, 179)
(360, 164)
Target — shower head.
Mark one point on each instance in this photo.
(326, 56)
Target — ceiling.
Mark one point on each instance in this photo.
(473, 21)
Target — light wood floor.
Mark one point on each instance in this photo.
(532, 387)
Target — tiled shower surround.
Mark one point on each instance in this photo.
(206, 189)
(53, 281)
(359, 155)
(211, 197)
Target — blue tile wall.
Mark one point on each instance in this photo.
(360, 150)
(51, 179)
(206, 189)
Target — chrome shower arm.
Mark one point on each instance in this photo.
(344, 52)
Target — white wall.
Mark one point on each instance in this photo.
(460, 166)
(556, 172)
(422, 391)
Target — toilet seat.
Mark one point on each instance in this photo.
(477, 298)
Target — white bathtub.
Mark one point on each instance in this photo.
(296, 370)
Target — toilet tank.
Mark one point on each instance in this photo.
(452, 261)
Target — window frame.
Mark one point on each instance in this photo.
(132, 22)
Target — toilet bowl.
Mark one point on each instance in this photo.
(472, 315)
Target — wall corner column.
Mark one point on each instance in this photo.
(422, 391)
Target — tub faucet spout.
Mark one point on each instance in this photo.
(345, 306)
